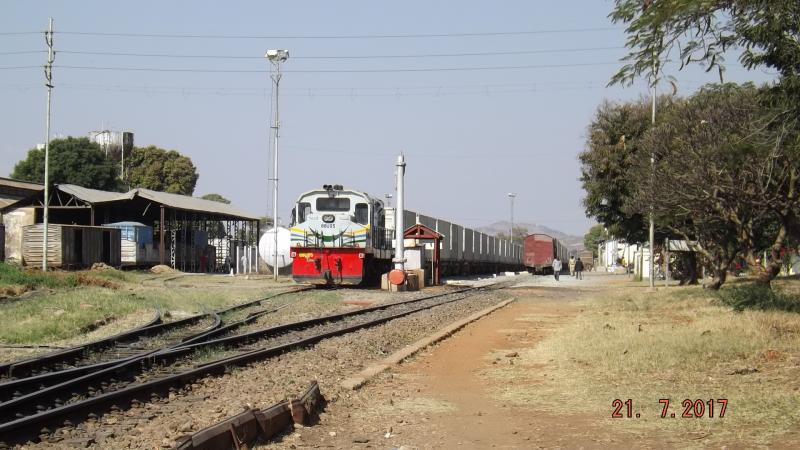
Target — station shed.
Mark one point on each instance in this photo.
(11, 192)
(182, 226)
(71, 246)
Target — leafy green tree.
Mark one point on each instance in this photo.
(214, 197)
(162, 170)
(613, 141)
(723, 178)
(591, 240)
(703, 31)
(72, 161)
(767, 32)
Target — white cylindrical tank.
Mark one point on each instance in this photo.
(267, 243)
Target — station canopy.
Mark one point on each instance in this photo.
(135, 205)
(174, 201)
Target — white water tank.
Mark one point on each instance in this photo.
(267, 243)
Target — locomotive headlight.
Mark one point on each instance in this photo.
(328, 218)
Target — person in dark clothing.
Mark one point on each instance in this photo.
(579, 269)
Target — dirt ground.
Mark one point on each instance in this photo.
(446, 398)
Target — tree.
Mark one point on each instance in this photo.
(768, 32)
(614, 139)
(703, 31)
(72, 160)
(162, 170)
(724, 178)
(597, 235)
(520, 233)
(214, 197)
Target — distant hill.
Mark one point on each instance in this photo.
(575, 242)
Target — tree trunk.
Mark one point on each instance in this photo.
(765, 273)
(720, 275)
(691, 270)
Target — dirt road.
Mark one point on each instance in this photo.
(445, 397)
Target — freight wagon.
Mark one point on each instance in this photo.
(587, 257)
(539, 252)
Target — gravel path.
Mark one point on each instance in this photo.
(157, 424)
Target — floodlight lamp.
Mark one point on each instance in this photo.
(278, 55)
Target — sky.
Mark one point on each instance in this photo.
(483, 98)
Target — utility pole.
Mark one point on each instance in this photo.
(511, 196)
(276, 57)
(48, 75)
(652, 177)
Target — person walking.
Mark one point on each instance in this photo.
(571, 265)
(579, 269)
(556, 268)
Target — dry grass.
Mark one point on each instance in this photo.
(63, 312)
(677, 343)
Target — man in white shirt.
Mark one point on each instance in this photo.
(556, 268)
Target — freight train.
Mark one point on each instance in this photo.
(346, 237)
(540, 250)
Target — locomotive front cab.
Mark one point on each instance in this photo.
(333, 235)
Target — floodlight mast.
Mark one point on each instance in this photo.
(276, 57)
(512, 195)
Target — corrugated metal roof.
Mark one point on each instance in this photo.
(192, 203)
(21, 184)
(175, 201)
(94, 195)
(5, 202)
(12, 191)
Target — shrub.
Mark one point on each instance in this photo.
(12, 275)
(759, 296)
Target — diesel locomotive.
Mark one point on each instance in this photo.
(346, 237)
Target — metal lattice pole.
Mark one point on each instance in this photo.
(276, 57)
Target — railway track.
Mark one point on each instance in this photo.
(54, 369)
(70, 356)
(158, 374)
(24, 377)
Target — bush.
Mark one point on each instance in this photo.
(759, 296)
(12, 275)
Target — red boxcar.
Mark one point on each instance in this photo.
(539, 252)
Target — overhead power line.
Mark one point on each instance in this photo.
(346, 36)
(336, 57)
(425, 69)
(23, 52)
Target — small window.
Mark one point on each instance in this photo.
(333, 204)
(362, 213)
(303, 210)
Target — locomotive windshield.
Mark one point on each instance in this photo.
(333, 204)
(362, 213)
(303, 210)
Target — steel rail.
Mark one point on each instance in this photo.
(30, 368)
(13, 368)
(50, 388)
(27, 427)
(22, 387)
